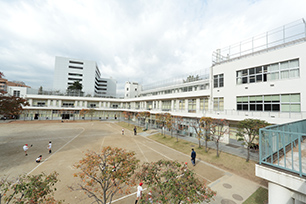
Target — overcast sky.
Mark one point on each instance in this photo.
(131, 40)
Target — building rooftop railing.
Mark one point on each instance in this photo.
(284, 147)
(288, 34)
(186, 78)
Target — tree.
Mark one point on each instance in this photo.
(172, 182)
(218, 128)
(30, 189)
(248, 130)
(177, 123)
(143, 115)
(169, 122)
(207, 122)
(91, 112)
(83, 112)
(161, 117)
(127, 115)
(197, 125)
(40, 90)
(75, 86)
(11, 105)
(104, 174)
(75, 89)
(191, 78)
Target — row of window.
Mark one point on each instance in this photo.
(282, 103)
(281, 70)
(75, 74)
(74, 67)
(183, 89)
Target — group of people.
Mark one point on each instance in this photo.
(39, 158)
(135, 131)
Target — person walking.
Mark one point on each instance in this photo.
(193, 156)
(49, 147)
(122, 131)
(135, 130)
(139, 192)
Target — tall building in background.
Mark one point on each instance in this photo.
(131, 89)
(67, 71)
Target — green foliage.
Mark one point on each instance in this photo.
(104, 174)
(11, 105)
(172, 182)
(30, 189)
(76, 86)
(248, 130)
(191, 78)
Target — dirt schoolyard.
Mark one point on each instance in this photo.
(70, 140)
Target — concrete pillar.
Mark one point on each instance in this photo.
(48, 103)
(198, 105)
(279, 194)
(172, 105)
(100, 104)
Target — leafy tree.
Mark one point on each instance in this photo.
(177, 123)
(91, 112)
(75, 89)
(248, 130)
(83, 112)
(197, 125)
(218, 128)
(127, 115)
(143, 115)
(161, 118)
(191, 78)
(207, 122)
(30, 189)
(11, 105)
(75, 86)
(40, 90)
(172, 182)
(104, 174)
(169, 122)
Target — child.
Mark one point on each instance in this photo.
(39, 159)
(49, 147)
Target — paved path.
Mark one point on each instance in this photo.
(230, 188)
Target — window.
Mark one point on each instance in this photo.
(74, 67)
(75, 62)
(166, 105)
(191, 105)
(181, 104)
(218, 80)
(273, 103)
(204, 104)
(16, 93)
(218, 104)
(281, 70)
(74, 74)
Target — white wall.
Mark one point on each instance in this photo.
(231, 89)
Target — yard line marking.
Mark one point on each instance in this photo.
(57, 151)
(208, 164)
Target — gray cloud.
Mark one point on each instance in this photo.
(143, 41)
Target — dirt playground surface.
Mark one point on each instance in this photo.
(70, 140)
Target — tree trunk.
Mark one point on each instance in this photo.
(199, 142)
(248, 157)
(217, 144)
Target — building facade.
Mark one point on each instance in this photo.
(262, 78)
(86, 72)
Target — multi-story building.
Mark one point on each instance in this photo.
(86, 72)
(262, 78)
(132, 90)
